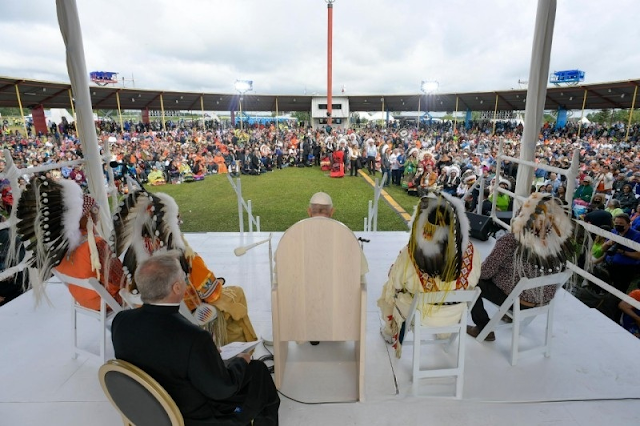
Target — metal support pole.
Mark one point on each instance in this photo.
(574, 170)
(495, 113)
(119, 110)
(73, 108)
(633, 105)
(239, 195)
(329, 61)
(24, 122)
(536, 92)
(69, 23)
(202, 110)
(584, 102)
(164, 128)
(455, 117)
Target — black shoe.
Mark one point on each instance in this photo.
(314, 343)
(474, 331)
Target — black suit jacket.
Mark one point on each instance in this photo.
(182, 358)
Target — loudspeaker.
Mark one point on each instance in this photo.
(480, 226)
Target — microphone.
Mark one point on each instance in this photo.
(239, 251)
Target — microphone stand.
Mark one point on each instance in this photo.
(240, 251)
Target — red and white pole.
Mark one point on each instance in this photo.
(329, 61)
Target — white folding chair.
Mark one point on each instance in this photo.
(522, 318)
(457, 331)
(103, 315)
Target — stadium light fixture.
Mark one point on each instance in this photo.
(243, 86)
(428, 87)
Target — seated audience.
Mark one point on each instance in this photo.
(630, 319)
(626, 198)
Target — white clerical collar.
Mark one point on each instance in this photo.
(164, 304)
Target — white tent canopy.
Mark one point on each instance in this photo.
(378, 116)
(56, 114)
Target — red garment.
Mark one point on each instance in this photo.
(337, 168)
(338, 156)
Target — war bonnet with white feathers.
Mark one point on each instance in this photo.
(48, 223)
(544, 231)
(146, 223)
(439, 236)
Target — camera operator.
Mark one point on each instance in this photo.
(621, 262)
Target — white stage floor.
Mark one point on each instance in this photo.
(591, 377)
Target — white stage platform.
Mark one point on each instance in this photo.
(591, 378)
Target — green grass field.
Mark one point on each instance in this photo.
(280, 198)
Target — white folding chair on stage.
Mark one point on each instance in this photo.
(318, 294)
(521, 318)
(103, 315)
(457, 331)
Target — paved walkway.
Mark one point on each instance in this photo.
(388, 198)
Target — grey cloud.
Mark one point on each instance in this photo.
(379, 46)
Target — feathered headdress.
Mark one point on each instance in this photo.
(453, 168)
(544, 231)
(506, 182)
(145, 224)
(48, 223)
(439, 236)
(468, 176)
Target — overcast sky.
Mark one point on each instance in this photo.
(379, 47)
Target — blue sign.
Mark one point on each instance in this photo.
(567, 77)
(103, 77)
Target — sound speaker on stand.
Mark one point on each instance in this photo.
(481, 226)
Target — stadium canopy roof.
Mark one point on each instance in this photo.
(618, 94)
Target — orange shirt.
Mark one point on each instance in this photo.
(78, 265)
(222, 167)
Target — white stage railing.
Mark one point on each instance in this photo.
(254, 221)
(13, 173)
(371, 221)
(570, 174)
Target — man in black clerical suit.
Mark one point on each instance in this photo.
(184, 358)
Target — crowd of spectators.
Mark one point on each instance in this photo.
(415, 158)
